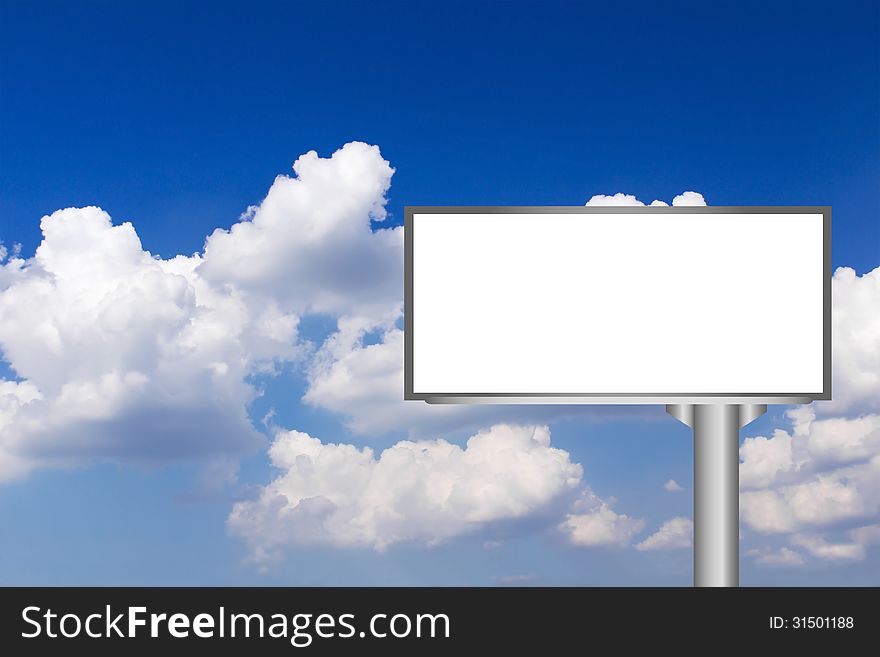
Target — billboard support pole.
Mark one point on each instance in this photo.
(716, 486)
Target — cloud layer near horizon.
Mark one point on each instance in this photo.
(127, 357)
(122, 356)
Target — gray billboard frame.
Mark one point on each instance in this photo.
(567, 397)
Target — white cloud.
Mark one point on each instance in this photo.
(834, 441)
(784, 556)
(856, 344)
(309, 244)
(621, 199)
(617, 199)
(129, 357)
(126, 356)
(672, 486)
(689, 198)
(821, 500)
(424, 491)
(819, 547)
(824, 473)
(123, 356)
(593, 523)
(825, 499)
(673, 534)
(763, 459)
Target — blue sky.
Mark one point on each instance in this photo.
(177, 118)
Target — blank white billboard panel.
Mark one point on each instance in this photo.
(589, 302)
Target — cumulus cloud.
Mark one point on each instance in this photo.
(673, 534)
(784, 556)
(621, 199)
(823, 472)
(823, 500)
(593, 523)
(819, 547)
(851, 546)
(763, 459)
(672, 486)
(615, 199)
(424, 491)
(125, 356)
(688, 198)
(310, 244)
(122, 355)
(856, 344)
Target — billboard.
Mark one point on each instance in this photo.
(618, 304)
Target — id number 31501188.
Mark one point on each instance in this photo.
(812, 623)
